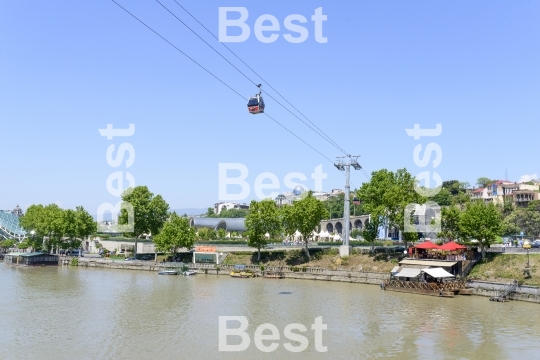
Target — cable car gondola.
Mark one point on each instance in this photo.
(356, 201)
(256, 103)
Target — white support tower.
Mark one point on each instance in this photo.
(344, 163)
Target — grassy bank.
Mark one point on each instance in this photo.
(327, 258)
(506, 267)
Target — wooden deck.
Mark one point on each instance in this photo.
(449, 289)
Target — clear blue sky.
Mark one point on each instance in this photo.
(68, 68)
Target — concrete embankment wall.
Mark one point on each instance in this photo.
(491, 289)
(481, 288)
(289, 272)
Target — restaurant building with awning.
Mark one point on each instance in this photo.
(452, 267)
(207, 255)
(414, 273)
(449, 251)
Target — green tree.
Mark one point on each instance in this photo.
(450, 218)
(175, 234)
(7, 244)
(356, 233)
(288, 221)
(481, 222)
(23, 245)
(203, 234)
(484, 182)
(511, 224)
(77, 225)
(210, 212)
(371, 231)
(387, 194)
(263, 218)
(531, 223)
(33, 222)
(234, 213)
(69, 230)
(455, 187)
(443, 198)
(150, 212)
(335, 206)
(221, 234)
(86, 225)
(304, 215)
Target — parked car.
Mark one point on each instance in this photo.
(535, 244)
(527, 244)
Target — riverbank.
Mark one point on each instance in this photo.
(290, 272)
(326, 259)
(481, 288)
(504, 268)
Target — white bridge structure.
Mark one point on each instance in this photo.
(9, 225)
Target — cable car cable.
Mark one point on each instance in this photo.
(174, 46)
(209, 72)
(318, 131)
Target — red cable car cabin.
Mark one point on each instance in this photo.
(256, 104)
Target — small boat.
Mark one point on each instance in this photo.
(273, 275)
(189, 273)
(169, 272)
(242, 274)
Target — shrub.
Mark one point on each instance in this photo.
(74, 262)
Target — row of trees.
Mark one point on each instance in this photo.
(474, 221)
(388, 193)
(385, 198)
(265, 217)
(52, 227)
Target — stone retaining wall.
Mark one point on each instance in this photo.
(289, 272)
(491, 289)
(481, 288)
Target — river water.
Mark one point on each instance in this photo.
(71, 313)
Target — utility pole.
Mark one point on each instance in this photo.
(344, 163)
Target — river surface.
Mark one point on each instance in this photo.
(80, 313)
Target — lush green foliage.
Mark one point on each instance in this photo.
(482, 222)
(204, 234)
(388, 193)
(175, 234)
(525, 220)
(450, 220)
(151, 211)
(371, 230)
(305, 216)
(50, 226)
(335, 207)
(221, 234)
(484, 182)
(7, 244)
(262, 218)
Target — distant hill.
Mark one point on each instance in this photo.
(190, 211)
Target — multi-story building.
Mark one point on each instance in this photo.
(219, 207)
(501, 191)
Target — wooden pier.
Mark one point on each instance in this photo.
(447, 289)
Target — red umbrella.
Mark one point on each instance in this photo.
(452, 246)
(427, 245)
